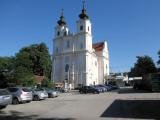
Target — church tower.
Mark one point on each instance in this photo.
(84, 29)
(61, 32)
(61, 29)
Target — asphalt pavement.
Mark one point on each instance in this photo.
(121, 104)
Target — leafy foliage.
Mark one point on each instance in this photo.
(6, 70)
(47, 83)
(144, 65)
(28, 62)
(36, 59)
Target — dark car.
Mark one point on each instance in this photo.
(113, 87)
(107, 88)
(88, 89)
(103, 88)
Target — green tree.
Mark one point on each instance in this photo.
(6, 70)
(144, 65)
(47, 83)
(28, 62)
(32, 60)
(23, 77)
(35, 58)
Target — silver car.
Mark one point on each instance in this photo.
(39, 94)
(5, 98)
(20, 94)
(51, 92)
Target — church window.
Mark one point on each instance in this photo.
(58, 33)
(81, 27)
(66, 68)
(65, 33)
(88, 28)
(95, 63)
(81, 45)
(56, 49)
(66, 59)
(68, 44)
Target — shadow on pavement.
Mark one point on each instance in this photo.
(14, 115)
(142, 109)
(131, 90)
(56, 119)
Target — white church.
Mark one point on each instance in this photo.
(77, 60)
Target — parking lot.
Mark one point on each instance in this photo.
(119, 104)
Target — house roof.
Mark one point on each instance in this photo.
(39, 79)
(98, 46)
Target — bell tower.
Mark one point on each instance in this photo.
(61, 29)
(84, 28)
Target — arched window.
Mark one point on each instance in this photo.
(81, 45)
(66, 68)
(56, 49)
(95, 63)
(81, 27)
(58, 33)
(65, 33)
(68, 44)
(88, 28)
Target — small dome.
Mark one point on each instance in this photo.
(62, 21)
(83, 14)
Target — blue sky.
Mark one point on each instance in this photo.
(131, 27)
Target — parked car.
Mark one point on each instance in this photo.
(51, 92)
(64, 90)
(107, 88)
(5, 98)
(88, 89)
(113, 87)
(104, 88)
(20, 94)
(39, 94)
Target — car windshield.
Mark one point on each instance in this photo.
(4, 92)
(26, 89)
(38, 89)
(12, 89)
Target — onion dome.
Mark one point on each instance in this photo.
(62, 21)
(83, 14)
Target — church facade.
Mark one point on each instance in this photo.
(76, 60)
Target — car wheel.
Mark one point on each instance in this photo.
(94, 92)
(49, 96)
(2, 107)
(15, 101)
(36, 98)
(80, 92)
(52, 96)
(28, 101)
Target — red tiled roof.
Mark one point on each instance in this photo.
(39, 79)
(98, 46)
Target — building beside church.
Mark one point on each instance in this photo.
(76, 60)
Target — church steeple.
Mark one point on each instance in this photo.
(83, 14)
(62, 21)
